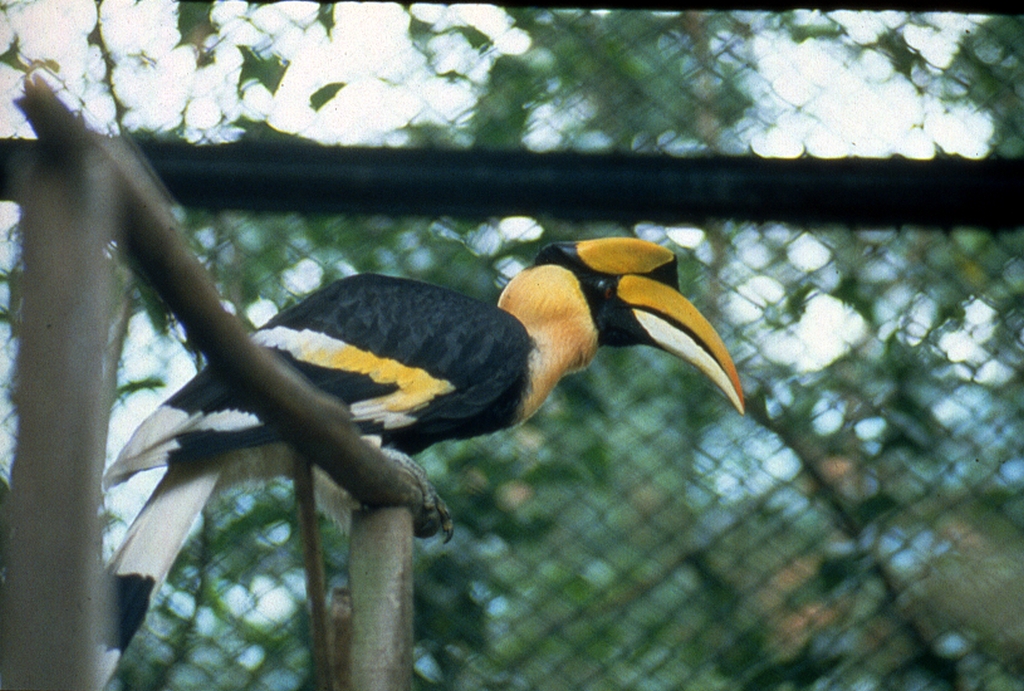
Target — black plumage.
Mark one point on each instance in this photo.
(481, 350)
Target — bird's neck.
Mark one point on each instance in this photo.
(548, 301)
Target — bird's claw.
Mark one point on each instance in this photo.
(433, 514)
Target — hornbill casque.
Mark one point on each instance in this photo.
(416, 364)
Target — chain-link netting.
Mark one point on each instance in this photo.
(862, 527)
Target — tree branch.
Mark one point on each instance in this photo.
(316, 424)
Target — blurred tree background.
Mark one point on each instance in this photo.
(862, 527)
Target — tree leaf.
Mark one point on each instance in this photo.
(267, 71)
(324, 94)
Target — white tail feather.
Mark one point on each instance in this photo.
(158, 534)
(149, 445)
(154, 440)
(161, 528)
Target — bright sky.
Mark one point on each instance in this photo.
(812, 100)
(827, 105)
(833, 107)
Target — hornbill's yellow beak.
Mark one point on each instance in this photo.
(630, 287)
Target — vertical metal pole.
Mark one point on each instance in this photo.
(380, 575)
(55, 606)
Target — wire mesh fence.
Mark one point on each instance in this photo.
(862, 527)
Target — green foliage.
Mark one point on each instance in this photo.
(324, 94)
(985, 70)
(194, 23)
(267, 70)
(11, 56)
(611, 63)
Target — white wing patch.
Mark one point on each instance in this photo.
(376, 410)
(154, 440)
(149, 446)
(226, 421)
(301, 344)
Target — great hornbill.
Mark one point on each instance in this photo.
(416, 364)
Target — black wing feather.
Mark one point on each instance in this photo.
(482, 350)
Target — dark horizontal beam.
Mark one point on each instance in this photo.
(987, 7)
(306, 178)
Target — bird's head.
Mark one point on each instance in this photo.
(629, 287)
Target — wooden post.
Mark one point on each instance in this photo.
(55, 606)
(341, 639)
(380, 575)
(313, 558)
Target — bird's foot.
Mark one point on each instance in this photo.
(433, 514)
